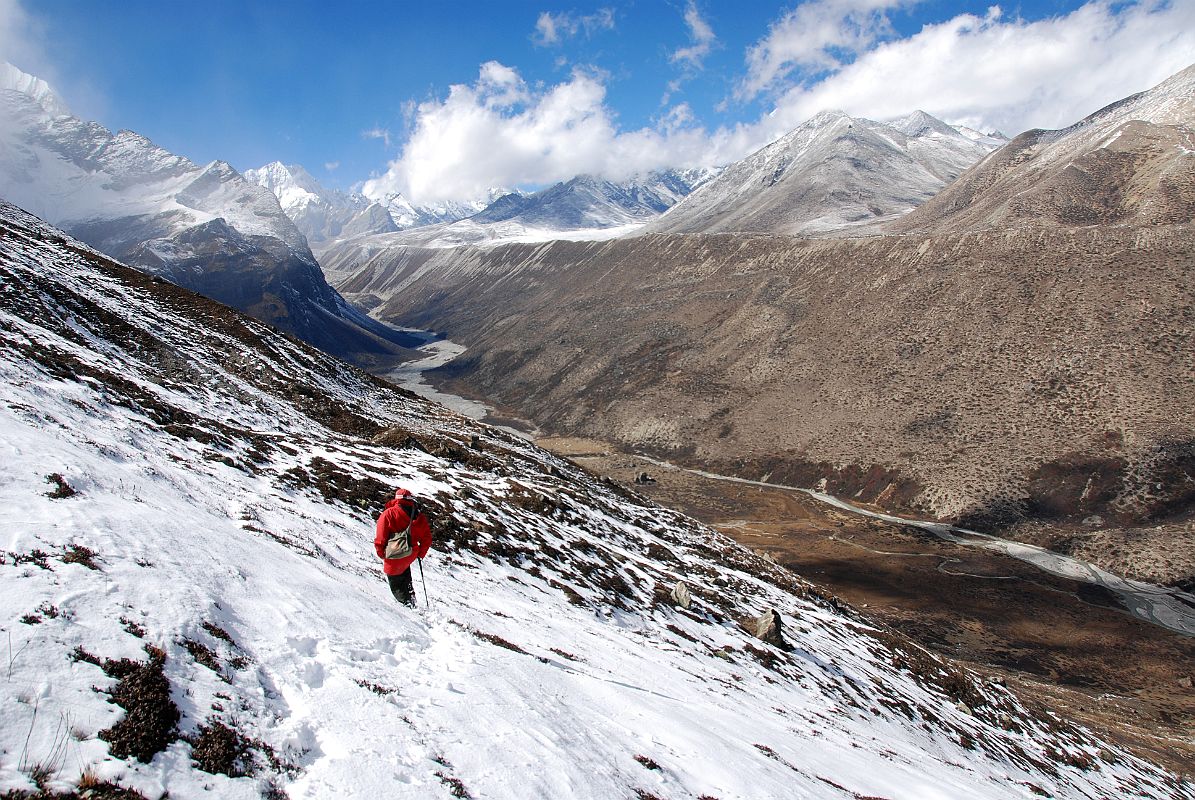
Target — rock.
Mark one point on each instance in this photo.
(680, 595)
(643, 477)
(767, 627)
(963, 707)
(1185, 682)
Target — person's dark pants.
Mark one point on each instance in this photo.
(402, 587)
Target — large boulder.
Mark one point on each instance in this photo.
(680, 595)
(767, 628)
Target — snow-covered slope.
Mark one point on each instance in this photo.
(203, 227)
(590, 202)
(326, 216)
(212, 575)
(321, 214)
(74, 172)
(832, 173)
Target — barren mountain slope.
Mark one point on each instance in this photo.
(983, 378)
(1131, 163)
(195, 607)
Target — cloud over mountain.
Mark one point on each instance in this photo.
(995, 71)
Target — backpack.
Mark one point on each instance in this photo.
(399, 545)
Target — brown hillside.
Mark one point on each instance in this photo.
(985, 378)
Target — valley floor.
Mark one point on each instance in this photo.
(1050, 638)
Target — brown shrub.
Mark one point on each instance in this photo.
(151, 718)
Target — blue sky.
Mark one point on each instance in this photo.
(356, 90)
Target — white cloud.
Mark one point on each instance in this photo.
(998, 72)
(985, 71)
(500, 85)
(553, 29)
(700, 34)
(476, 139)
(21, 41)
(377, 132)
(331, 166)
(816, 35)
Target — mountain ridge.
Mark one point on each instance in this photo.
(323, 215)
(1128, 163)
(833, 173)
(204, 227)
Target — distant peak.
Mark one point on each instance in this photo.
(827, 117)
(919, 123)
(277, 177)
(35, 88)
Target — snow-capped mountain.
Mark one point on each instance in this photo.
(194, 605)
(590, 202)
(202, 227)
(321, 214)
(584, 208)
(833, 172)
(326, 216)
(993, 138)
(1127, 164)
(406, 215)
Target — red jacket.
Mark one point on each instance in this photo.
(394, 520)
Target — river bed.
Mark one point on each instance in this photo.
(438, 352)
(1169, 608)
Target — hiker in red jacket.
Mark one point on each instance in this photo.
(403, 536)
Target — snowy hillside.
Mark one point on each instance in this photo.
(326, 216)
(587, 201)
(192, 605)
(832, 173)
(408, 215)
(76, 172)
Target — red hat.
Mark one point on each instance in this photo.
(401, 493)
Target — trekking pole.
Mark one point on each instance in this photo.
(426, 602)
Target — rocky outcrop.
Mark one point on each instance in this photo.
(768, 627)
(680, 595)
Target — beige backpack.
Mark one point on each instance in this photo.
(399, 545)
